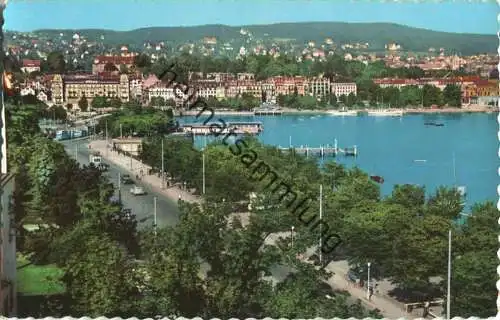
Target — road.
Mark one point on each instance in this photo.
(167, 213)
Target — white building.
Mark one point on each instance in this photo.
(167, 93)
(318, 87)
(339, 89)
(42, 96)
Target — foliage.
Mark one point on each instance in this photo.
(83, 104)
(377, 34)
(134, 120)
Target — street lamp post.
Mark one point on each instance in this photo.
(203, 160)
(162, 166)
(368, 283)
(154, 225)
(292, 235)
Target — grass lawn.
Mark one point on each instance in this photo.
(38, 280)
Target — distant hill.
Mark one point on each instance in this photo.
(376, 34)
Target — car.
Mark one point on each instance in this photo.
(126, 179)
(103, 166)
(137, 191)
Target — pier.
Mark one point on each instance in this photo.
(322, 150)
(216, 128)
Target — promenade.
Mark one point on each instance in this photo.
(380, 300)
(136, 167)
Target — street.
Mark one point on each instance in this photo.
(167, 213)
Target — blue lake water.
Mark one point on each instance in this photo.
(389, 146)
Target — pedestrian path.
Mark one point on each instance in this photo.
(137, 168)
(388, 307)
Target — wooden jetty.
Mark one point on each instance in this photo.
(322, 150)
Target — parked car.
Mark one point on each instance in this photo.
(137, 191)
(103, 166)
(126, 179)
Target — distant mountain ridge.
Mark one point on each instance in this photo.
(376, 34)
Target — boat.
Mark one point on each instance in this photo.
(343, 112)
(434, 124)
(386, 113)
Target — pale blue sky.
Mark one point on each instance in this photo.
(451, 16)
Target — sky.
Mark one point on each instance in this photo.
(122, 15)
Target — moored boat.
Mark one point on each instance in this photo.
(386, 113)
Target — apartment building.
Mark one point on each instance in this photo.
(339, 88)
(71, 88)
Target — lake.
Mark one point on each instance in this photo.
(389, 146)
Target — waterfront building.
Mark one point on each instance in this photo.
(269, 91)
(71, 88)
(206, 89)
(339, 88)
(289, 85)
(237, 88)
(319, 87)
(165, 91)
(8, 266)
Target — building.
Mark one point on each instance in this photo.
(100, 62)
(289, 85)
(207, 89)
(71, 88)
(165, 91)
(8, 279)
(136, 83)
(237, 88)
(319, 87)
(339, 89)
(30, 66)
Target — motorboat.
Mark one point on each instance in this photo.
(343, 113)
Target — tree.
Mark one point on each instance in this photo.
(99, 102)
(351, 100)
(142, 61)
(409, 196)
(83, 104)
(99, 276)
(55, 62)
(110, 67)
(452, 96)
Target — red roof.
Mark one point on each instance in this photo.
(31, 63)
(114, 59)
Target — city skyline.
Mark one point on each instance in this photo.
(476, 18)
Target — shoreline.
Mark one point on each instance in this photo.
(285, 111)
